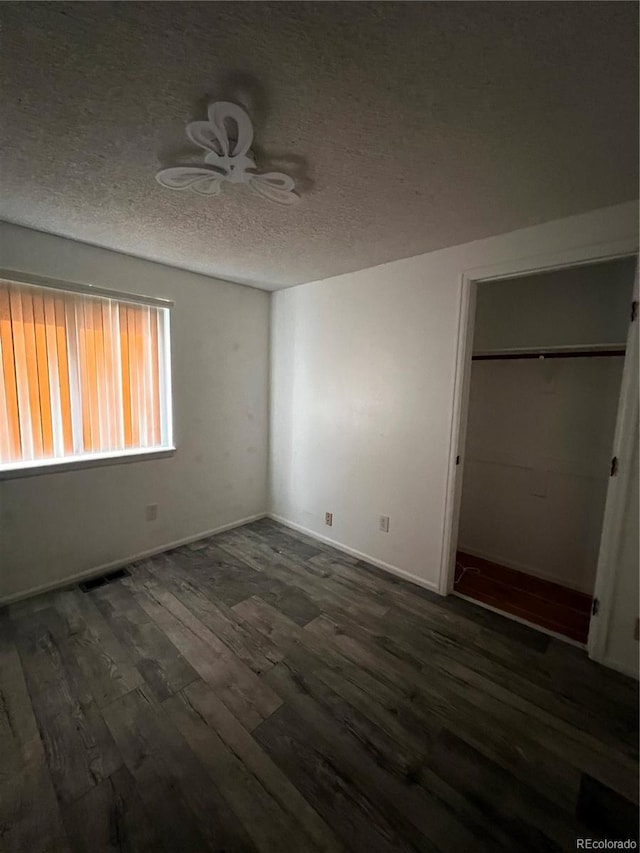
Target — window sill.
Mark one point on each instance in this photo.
(75, 463)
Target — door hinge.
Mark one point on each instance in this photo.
(614, 467)
(634, 310)
(595, 606)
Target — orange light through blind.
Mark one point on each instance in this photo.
(79, 374)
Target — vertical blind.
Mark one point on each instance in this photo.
(80, 375)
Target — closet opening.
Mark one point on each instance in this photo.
(545, 382)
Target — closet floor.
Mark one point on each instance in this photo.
(541, 602)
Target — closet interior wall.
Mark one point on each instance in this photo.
(540, 430)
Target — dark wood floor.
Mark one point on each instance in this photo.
(260, 691)
(550, 605)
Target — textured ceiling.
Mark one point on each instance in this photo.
(408, 126)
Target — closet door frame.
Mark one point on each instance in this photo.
(618, 489)
(469, 281)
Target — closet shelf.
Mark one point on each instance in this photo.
(581, 351)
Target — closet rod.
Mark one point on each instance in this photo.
(583, 353)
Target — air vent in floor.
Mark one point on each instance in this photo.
(94, 583)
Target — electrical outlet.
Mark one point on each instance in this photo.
(384, 523)
(151, 512)
(328, 519)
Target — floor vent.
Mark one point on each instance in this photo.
(94, 583)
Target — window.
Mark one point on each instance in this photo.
(82, 376)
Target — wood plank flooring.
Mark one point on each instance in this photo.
(553, 606)
(260, 691)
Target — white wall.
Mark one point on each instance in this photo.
(58, 525)
(363, 370)
(570, 307)
(539, 445)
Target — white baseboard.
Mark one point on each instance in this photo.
(118, 564)
(339, 546)
(522, 567)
